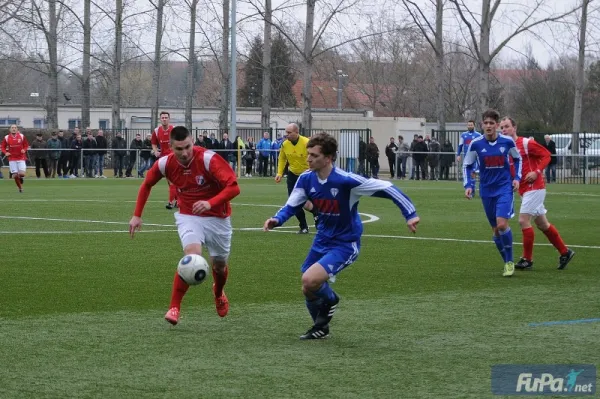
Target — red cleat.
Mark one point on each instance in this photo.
(222, 304)
(172, 316)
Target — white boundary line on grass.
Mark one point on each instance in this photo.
(278, 230)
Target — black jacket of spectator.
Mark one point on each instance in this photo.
(101, 143)
(89, 144)
(119, 144)
(551, 146)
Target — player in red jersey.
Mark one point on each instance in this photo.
(15, 146)
(205, 183)
(161, 145)
(533, 192)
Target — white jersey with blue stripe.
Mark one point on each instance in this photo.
(493, 157)
(336, 199)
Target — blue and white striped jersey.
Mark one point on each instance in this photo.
(465, 140)
(493, 157)
(336, 199)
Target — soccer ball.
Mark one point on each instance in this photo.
(193, 269)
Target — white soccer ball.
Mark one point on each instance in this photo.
(193, 269)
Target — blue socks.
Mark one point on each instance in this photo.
(325, 293)
(313, 307)
(507, 240)
(499, 245)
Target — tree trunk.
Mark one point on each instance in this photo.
(579, 88)
(116, 71)
(266, 64)
(308, 67)
(85, 69)
(225, 89)
(51, 38)
(157, 58)
(439, 69)
(191, 67)
(484, 60)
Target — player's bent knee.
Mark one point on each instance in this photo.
(314, 277)
(542, 223)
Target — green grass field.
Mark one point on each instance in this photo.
(422, 316)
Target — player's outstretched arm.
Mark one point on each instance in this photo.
(152, 177)
(270, 224)
(360, 186)
(412, 224)
(135, 224)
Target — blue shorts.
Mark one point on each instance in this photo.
(333, 257)
(501, 206)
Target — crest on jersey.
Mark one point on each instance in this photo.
(200, 180)
(334, 192)
(502, 149)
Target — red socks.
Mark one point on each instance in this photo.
(18, 180)
(220, 280)
(556, 240)
(528, 238)
(179, 290)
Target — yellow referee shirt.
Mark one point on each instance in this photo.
(295, 155)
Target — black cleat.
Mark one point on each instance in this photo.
(326, 312)
(169, 206)
(316, 333)
(524, 264)
(564, 260)
(303, 231)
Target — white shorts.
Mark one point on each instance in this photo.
(212, 232)
(533, 203)
(17, 166)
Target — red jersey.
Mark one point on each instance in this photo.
(12, 145)
(208, 177)
(161, 138)
(535, 158)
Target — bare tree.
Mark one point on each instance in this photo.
(160, 7)
(116, 67)
(266, 65)
(433, 36)
(9, 9)
(85, 70)
(481, 47)
(225, 72)
(577, 108)
(191, 67)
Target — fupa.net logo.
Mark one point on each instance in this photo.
(539, 379)
(547, 382)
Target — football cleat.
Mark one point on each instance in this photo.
(169, 205)
(222, 304)
(316, 333)
(303, 231)
(524, 264)
(326, 312)
(564, 260)
(172, 316)
(509, 269)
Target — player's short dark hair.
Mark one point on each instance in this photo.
(491, 113)
(164, 113)
(327, 142)
(471, 121)
(179, 133)
(512, 121)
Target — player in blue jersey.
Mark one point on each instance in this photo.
(335, 193)
(496, 185)
(463, 145)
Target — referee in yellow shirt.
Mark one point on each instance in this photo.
(294, 152)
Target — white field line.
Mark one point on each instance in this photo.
(278, 230)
